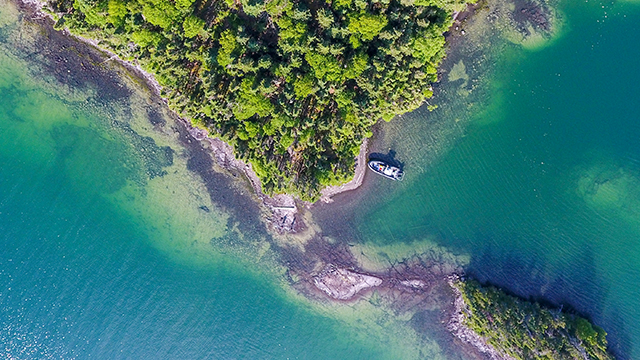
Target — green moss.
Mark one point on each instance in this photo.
(525, 330)
(260, 74)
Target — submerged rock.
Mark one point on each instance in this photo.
(416, 284)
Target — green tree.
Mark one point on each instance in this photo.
(117, 11)
(192, 26)
(228, 45)
(325, 18)
(304, 86)
(294, 85)
(366, 26)
(250, 102)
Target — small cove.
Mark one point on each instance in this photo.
(106, 249)
(541, 189)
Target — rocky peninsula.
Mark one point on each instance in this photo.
(506, 327)
(330, 271)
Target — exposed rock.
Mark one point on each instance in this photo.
(343, 284)
(418, 284)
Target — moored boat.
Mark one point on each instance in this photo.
(385, 169)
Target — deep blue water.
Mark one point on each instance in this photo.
(541, 190)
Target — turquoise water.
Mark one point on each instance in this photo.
(106, 251)
(99, 255)
(542, 189)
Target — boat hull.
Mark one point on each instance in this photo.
(385, 169)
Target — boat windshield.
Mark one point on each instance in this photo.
(386, 170)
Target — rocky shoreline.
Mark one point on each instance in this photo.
(458, 328)
(323, 270)
(284, 212)
(344, 284)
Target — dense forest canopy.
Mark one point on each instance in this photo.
(524, 330)
(293, 85)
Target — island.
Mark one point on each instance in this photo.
(510, 328)
(294, 86)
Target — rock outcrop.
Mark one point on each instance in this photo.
(343, 284)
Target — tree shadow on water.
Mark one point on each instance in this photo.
(389, 158)
(620, 342)
(574, 286)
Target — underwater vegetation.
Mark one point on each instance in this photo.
(293, 85)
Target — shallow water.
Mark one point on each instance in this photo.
(110, 248)
(542, 188)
